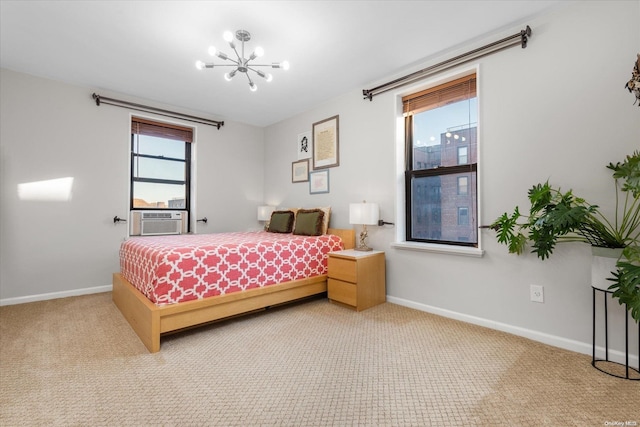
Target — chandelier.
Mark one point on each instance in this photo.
(241, 64)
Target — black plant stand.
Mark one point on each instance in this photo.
(594, 360)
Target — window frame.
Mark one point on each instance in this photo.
(174, 132)
(405, 238)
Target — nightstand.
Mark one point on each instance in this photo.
(356, 278)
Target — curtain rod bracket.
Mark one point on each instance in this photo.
(524, 35)
(117, 219)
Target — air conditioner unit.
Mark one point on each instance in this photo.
(153, 223)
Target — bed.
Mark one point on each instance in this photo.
(174, 289)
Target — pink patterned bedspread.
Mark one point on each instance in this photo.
(172, 269)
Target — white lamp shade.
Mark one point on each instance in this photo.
(264, 212)
(364, 213)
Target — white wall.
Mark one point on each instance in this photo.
(52, 130)
(557, 109)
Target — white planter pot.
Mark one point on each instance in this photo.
(603, 263)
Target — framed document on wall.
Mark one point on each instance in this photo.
(326, 143)
(300, 171)
(319, 182)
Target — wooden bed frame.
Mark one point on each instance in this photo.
(150, 321)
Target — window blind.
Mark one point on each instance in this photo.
(435, 97)
(141, 126)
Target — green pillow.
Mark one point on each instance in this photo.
(281, 222)
(309, 222)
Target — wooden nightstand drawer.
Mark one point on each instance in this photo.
(343, 292)
(343, 269)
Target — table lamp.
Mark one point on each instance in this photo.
(363, 214)
(264, 214)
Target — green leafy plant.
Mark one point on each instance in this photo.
(556, 216)
(626, 280)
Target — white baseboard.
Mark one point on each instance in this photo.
(55, 295)
(553, 340)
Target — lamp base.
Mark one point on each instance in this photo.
(362, 245)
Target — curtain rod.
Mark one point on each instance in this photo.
(518, 38)
(145, 108)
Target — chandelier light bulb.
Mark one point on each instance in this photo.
(228, 36)
(253, 87)
(259, 52)
(285, 65)
(200, 65)
(269, 77)
(212, 50)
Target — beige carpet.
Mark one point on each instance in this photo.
(76, 362)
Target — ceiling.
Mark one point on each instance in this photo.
(148, 49)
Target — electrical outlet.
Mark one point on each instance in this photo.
(537, 293)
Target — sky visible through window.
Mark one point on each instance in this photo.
(157, 168)
(429, 125)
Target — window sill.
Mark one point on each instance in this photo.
(440, 249)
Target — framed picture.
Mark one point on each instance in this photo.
(319, 182)
(300, 171)
(326, 143)
(304, 145)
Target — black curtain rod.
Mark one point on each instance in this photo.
(521, 38)
(145, 108)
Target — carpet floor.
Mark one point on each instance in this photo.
(76, 362)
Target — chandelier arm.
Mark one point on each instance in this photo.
(235, 63)
(240, 58)
(268, 77)
(252, 69)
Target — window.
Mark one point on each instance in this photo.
(441, 164)
(463, 216)
(463, 156)
(463, 185)
(160, 165)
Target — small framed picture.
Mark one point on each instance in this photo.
(319, 182)
(300, 171)
(326, 143)
(304, 145)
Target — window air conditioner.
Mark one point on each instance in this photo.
(153, 223)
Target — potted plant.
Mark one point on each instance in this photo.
(556, 216)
